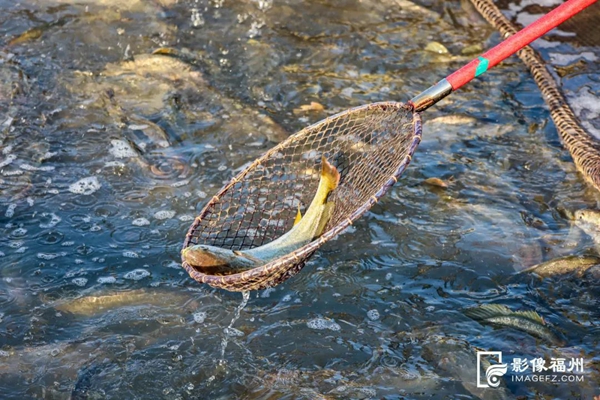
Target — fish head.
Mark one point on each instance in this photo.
(588, 220)
(206, 256)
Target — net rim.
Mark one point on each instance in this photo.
(275, 272)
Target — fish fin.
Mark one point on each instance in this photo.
(329, 174)
(531, 315)
(298, 216)
(325, 217)
(485, 311)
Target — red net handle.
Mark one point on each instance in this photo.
(519, 40)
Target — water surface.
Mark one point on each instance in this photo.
(108, 153)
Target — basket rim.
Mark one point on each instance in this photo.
(259, 276)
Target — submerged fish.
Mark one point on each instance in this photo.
(217, 260)
(564, 265)
(527, 321)
(589, 222)
(93, 305)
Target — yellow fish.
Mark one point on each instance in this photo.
(219, 261)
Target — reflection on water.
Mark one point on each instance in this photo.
(108, 152)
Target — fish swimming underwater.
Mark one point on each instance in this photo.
(219, 261)
(527, 321)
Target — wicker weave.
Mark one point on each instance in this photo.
(370, 145)
(584, 149)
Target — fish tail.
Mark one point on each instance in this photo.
(329, 174)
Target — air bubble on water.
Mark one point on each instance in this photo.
(130, 254)
(54, 352)
(140, 222)
(199, 317)
(388, 276)
(95, 228)
(78, 261)
(197, 19)
(180, 183)
(201, 194)
(107, 279)
(373, 315)
(80, 281)
(68, 243)
(10, 210)
(322, 323)
(287, 297)
(85, 186)
(19, 232)
(54, 220)
(164, 214)
(231, 332)
(121, 149)
(30, 201)
(254, 30)
(15, 244)
(264, 5)
(137, 274)
(51, 256)
(186, 217)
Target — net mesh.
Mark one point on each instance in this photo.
(370, 146)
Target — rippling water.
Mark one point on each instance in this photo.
(108, 153)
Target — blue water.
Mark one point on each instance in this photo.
(106, 161)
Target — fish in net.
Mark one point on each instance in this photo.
(370, 146)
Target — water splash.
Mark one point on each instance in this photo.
(230, 331)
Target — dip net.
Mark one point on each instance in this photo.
(371, 146)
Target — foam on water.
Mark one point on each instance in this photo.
(85, 186)
(9, 159)
(50, 256)
(140, 222)
(19, 232)
(106, 279)
(27, 167)
(199, 317)
(10, 210)
(54, 220)
(80, 281)
(322, 323)
(121, 149)
(373, 315)
(164, 214)
(137, 274)
(130, 254)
